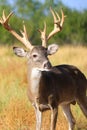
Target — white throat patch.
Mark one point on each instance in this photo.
(35, 80)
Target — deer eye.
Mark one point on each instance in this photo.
(34, 55)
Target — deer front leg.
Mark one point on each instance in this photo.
(54, 113)
(69, 116)
(38, 117)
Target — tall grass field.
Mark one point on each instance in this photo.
(16, 112)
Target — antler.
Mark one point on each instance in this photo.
(58, 23)
(24, 38)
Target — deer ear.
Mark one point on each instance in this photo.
(20, 52)
(52, 49)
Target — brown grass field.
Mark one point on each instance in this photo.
(16, 112)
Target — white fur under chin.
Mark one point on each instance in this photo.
(36, 73)
(35, 79)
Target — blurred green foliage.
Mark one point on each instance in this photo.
(34, 13)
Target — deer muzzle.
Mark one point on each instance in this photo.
(47, 65)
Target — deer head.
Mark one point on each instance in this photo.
(38, 56)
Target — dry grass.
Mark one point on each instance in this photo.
(16, 112)
(75, 55)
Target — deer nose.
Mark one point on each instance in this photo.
(46, 65)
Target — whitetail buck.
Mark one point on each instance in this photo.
(50, 86)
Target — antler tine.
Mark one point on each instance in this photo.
(8, 17)
(25, 37)
(58, 16)
(43, 35)
(54, 16)
(25, 31)
(4, 17)
(63, 16)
